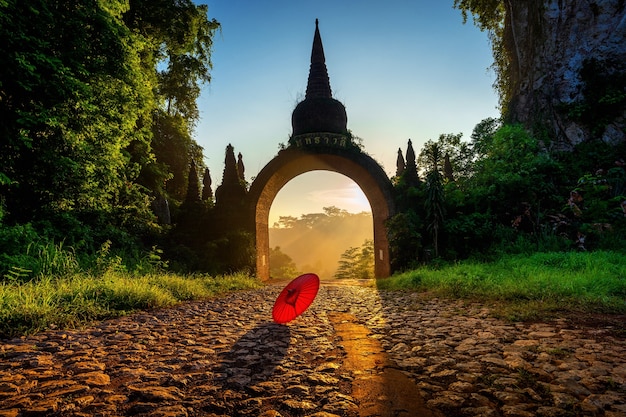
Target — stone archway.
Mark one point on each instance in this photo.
(321, 141)
(290, 163)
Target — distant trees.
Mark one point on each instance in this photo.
(315, 241)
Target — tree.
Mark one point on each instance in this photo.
(405, 240)
(400, 164)
(281, 265)
(74, 100)
(434, 202)
(178, 40)
(513, 172)
(96, 96)
(459, 153)
(482, 136)
(357, 262)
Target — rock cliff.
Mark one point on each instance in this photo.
(568, 69)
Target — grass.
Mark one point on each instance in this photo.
(525, 287)
(518, 287)
(78, 299)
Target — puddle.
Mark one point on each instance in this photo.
(381, 389)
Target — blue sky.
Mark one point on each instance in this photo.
(403, 69)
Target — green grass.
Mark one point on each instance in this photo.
(529, 286)
(78, 299)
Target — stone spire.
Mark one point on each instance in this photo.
(207, 192)
(400, 165)
(231, 192)
(319, 83)
(319, 112)
(410, 172)
(241, 168)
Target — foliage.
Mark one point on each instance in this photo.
(74, 99)
(460, 153)
(405, 240)
(78, 299)
(604, 94)
(357, 262)
(596, 209)
(281, 265)
(564, 281)
(177, 51)
(514, 174)
(99, 102)
(315, 241)
(514, 198)
(435, 199)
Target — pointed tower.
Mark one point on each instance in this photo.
(319, 112)
(410, 173)
(400, 165)
(207, 192)
(241, 169)
(231, 193)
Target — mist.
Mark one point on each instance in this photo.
(316, 241)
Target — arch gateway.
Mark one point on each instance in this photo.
(321, 141)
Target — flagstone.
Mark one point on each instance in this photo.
(224, 357)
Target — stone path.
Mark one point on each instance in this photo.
(225, 357)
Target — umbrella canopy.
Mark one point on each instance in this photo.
(295, 298)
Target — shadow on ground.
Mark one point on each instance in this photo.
(254, 357)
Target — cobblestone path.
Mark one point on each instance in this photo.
(224, 357)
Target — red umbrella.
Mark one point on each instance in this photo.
(296, 297)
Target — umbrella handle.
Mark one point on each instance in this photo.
(292, 296)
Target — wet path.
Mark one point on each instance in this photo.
(355, 352)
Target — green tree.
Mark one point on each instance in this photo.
(434, 202)
(460, 155)
(515, 177)
(357, 262)
(96, 96)
(74, 97)
(482, 137)
(405, 240)
(281, 265)
(178, 41)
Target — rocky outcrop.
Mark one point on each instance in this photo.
(567, 69)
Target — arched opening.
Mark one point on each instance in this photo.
(314, 220)
(290, 163)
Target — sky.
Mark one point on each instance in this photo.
(404, 69)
